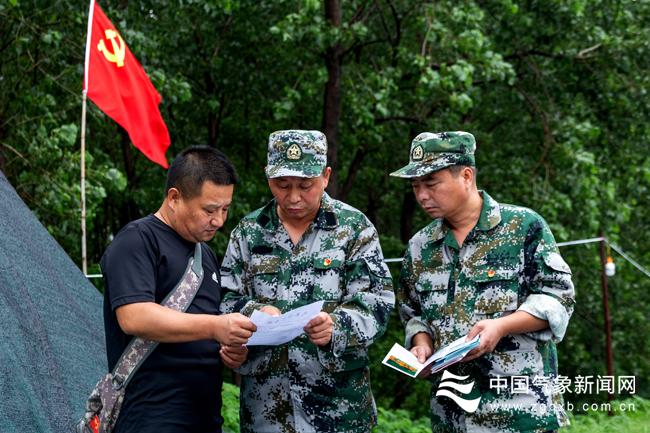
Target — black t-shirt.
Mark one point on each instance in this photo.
(178, 387)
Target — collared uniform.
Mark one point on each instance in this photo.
(508, 262)
(298, 386)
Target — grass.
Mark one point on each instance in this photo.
(628, 421)
(635, 419)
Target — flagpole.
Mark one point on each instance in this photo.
(84, 259)
(84, 256)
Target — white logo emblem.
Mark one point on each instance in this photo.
(214, 277)
(294, 152)
(417, 153)
(448, 381)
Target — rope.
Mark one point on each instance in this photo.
(559, 244)
(580, 242)
(629, 259)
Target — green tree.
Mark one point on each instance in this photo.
(554, 91)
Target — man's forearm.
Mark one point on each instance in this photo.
(154, 322)
(493, 330)
(521, 322)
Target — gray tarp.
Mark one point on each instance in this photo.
(51, 328)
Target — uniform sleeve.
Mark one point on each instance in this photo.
(368, 299)
(129, 268)
(551, 295)
(410, 310)
(235, 277)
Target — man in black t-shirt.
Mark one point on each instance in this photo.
(178, 388)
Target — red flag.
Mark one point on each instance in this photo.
(117, 84)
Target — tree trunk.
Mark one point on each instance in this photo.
(355, 165)
(332, 95)
(373, 206)
(409, 206)
(406, 216)
(212, 116)
(212, 129)
(214, 122)
(247, 149)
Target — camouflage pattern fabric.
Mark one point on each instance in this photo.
(105, 401)
(508, 262)
(434, 151)
(298, 386)
(296, 153)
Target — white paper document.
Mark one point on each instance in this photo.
(275, 330)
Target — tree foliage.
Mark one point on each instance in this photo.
(555, 92)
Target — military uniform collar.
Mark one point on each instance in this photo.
(489, 218)
(268, 217)
(325, 217)
(438, 229)
(490, 213)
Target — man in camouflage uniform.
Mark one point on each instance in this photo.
(481, 267)
(303, 247)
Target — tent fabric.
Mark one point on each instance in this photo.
(52, 349)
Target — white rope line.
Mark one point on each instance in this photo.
(629, 259)
(393, 260)
(559, 244)
(581, 241)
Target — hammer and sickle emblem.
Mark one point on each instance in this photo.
(294, 153)
(117, 56)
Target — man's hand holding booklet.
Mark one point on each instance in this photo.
(404, 361)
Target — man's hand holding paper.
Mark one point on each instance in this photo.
(279, 329)
(319, 329)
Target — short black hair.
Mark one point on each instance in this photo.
(198, 164)
(456, 169)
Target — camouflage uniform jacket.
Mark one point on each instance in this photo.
(299, 387)
(508, 262)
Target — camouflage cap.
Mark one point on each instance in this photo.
(296, 153)
(434, 151)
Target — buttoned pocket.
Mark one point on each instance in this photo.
(514, 363)
(328, 268)
(265, 271)
(516, 354)
(497, 292)
(433, 291)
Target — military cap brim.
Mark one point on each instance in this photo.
(422, 168)
(306, 171)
